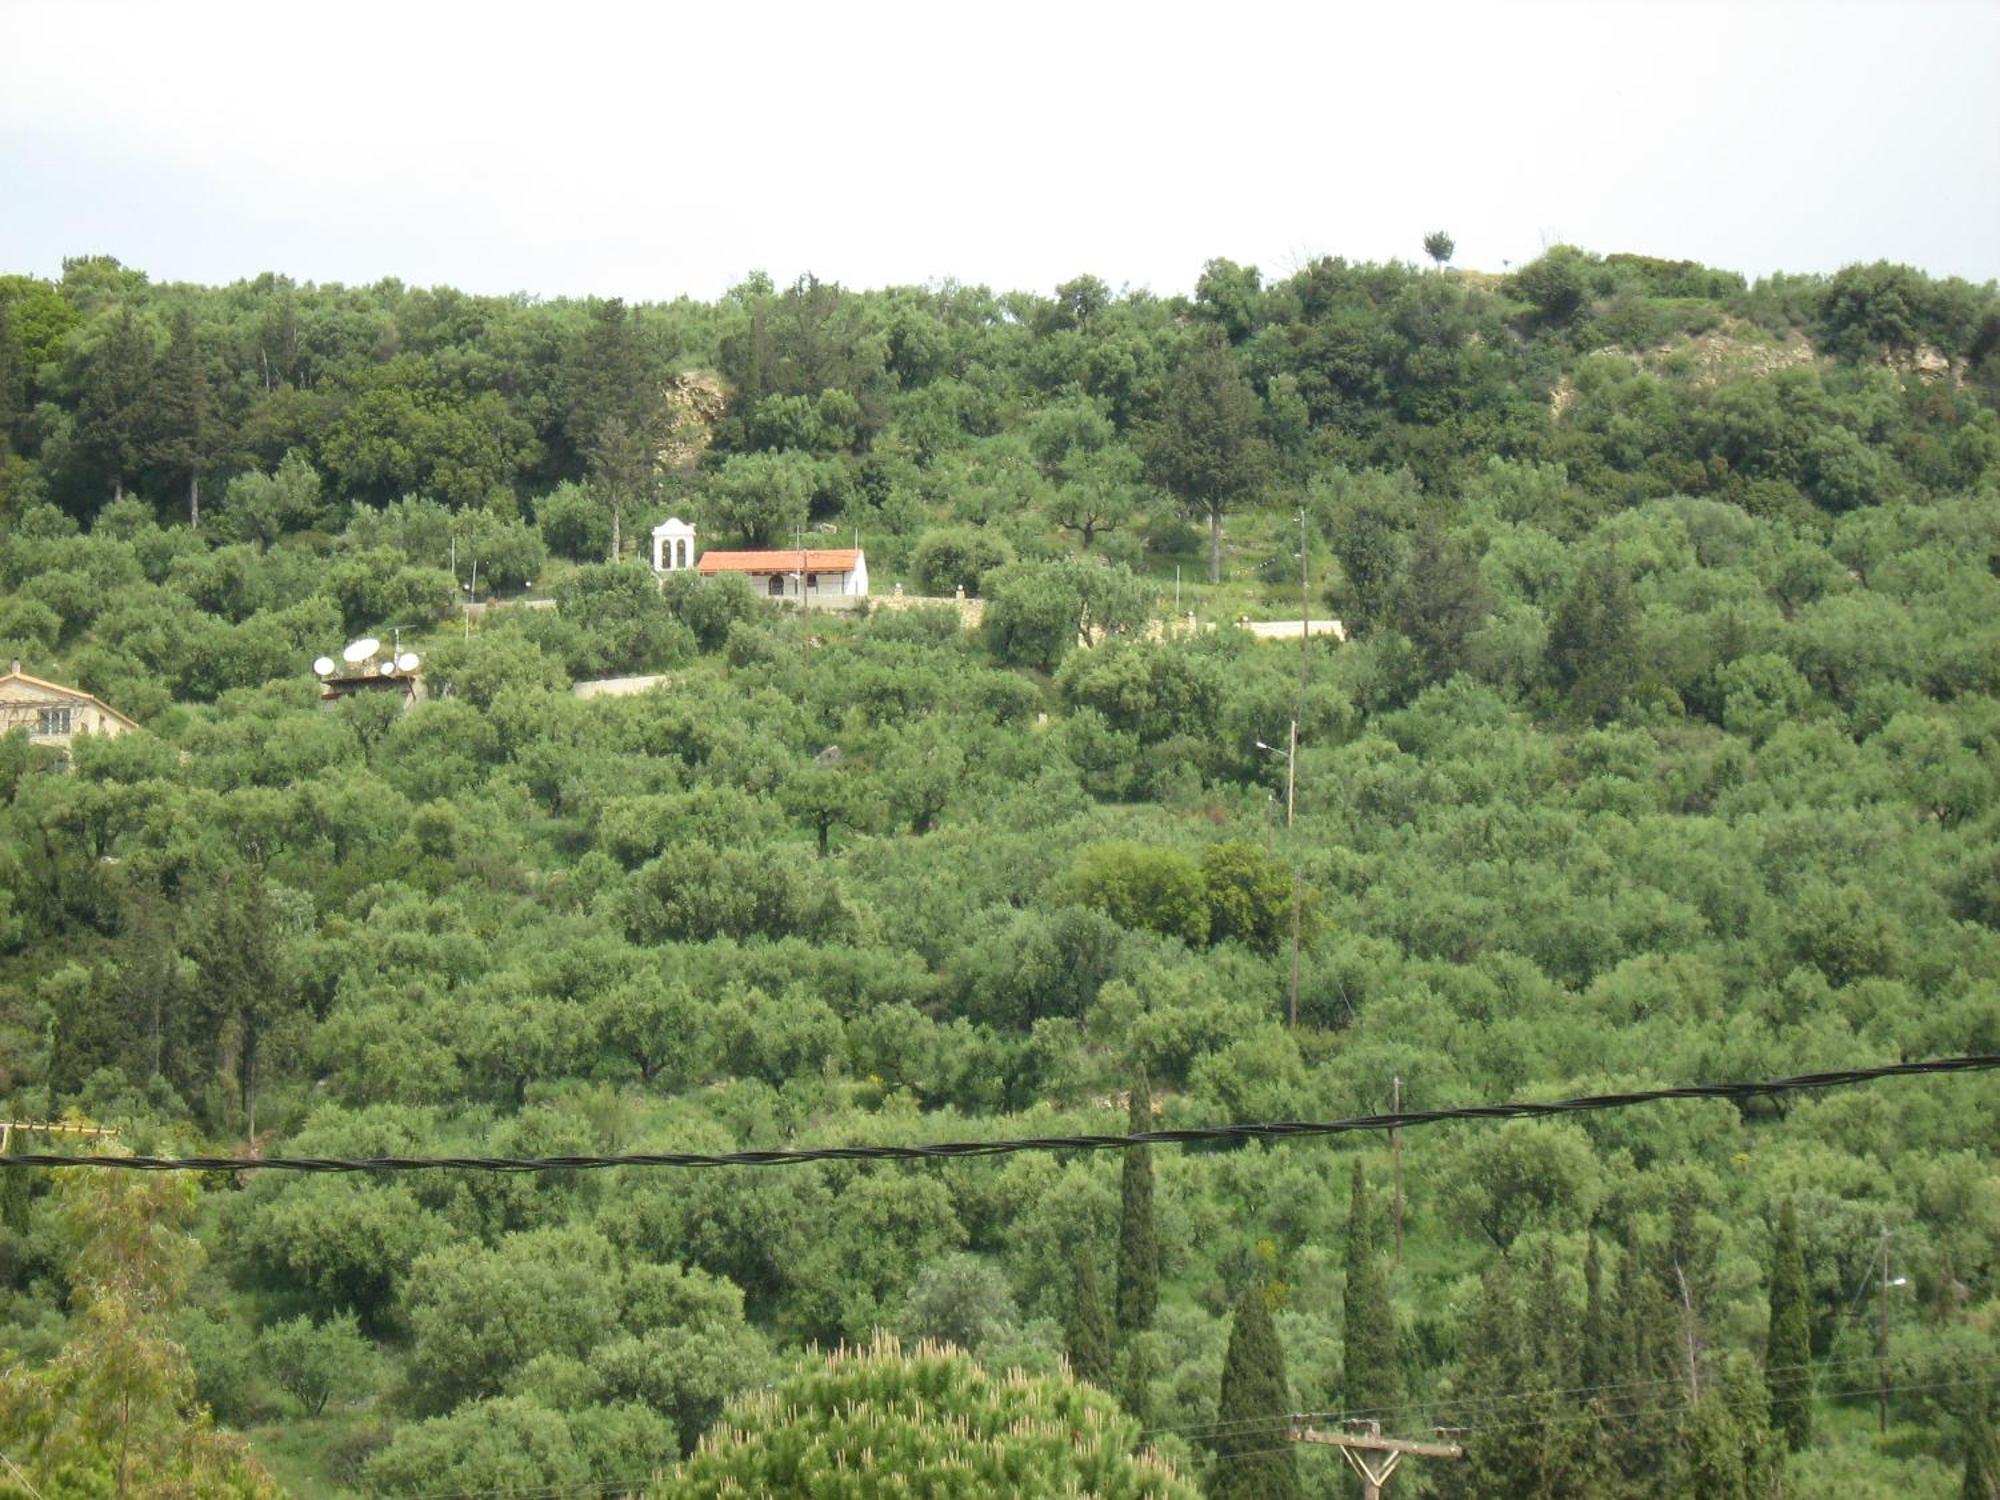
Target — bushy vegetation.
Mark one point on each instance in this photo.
(1663, 748)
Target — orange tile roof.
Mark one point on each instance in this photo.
(818, 560)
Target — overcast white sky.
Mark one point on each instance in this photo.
(650, 150)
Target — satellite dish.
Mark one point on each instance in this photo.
(386, 668)
(407, 662)
(323, 667)
(361, 650)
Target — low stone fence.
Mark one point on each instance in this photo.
(971, 611)
(617, 687)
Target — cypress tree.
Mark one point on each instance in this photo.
(1369, 1331)
(1087, 1337)
(1552, 1326)
(1137, 1392)
(1138, 1245)
(1982, 1451)
(1254, 1459)
(1598, 1366)
(1501, 1458)
(1790, 1344)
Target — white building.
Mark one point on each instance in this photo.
(673, 546)
(818, 577)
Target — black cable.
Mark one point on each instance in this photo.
(953, 1150)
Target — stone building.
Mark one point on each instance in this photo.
(53, 714)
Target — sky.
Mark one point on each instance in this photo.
(660, 149)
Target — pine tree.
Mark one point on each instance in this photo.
(1593, 648)
(616, 416)
(1205, 448)
(1087, 1336)
(11, 382)
(1439, 601)
(113, 415)
(1789, 1347)
(1138, 1244)
(1254, 1459)
(1369, 1332)
(185, 427)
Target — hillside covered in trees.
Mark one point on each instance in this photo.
(1662, 749)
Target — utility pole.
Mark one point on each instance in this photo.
(1365, 1437)
(1882, 1340)
(1291, 767)
(1396, 1160)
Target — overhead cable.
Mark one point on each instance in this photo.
(953, 1150)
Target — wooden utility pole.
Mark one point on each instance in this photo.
(1882, 1339)
(1291, 766)
(1366, 1439)
(1291, 800)
(1396, 1160)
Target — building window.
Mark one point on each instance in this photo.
(53, 721)
(812, 580)
(777, 589)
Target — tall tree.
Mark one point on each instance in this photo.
(1369, 1322)
(13, 386)
(1368, 540)
(1982, 1448)
(1788, 1348)
(1593, 649)
(616, 415)
(1137, 1389)
(1439, 601)
(243, 979)
(186, 426)
(1599, 1351)
(114, 1412)
(1087, 1334)
(1440, 247)
(113, 415)
(1138, 1243)
(1205, 448)
(1254, 1458)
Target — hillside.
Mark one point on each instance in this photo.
(1662, 749)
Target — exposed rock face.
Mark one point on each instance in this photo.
(694, 403)
(1926, 360)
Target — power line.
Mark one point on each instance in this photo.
(26, 1483)
(954, 1150)
(1682, 1411)
(1494, 1405)
(1477, 1413)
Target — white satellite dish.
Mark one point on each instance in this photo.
(407, 662)
(359, 651)
(386, 668)
(323, 667)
